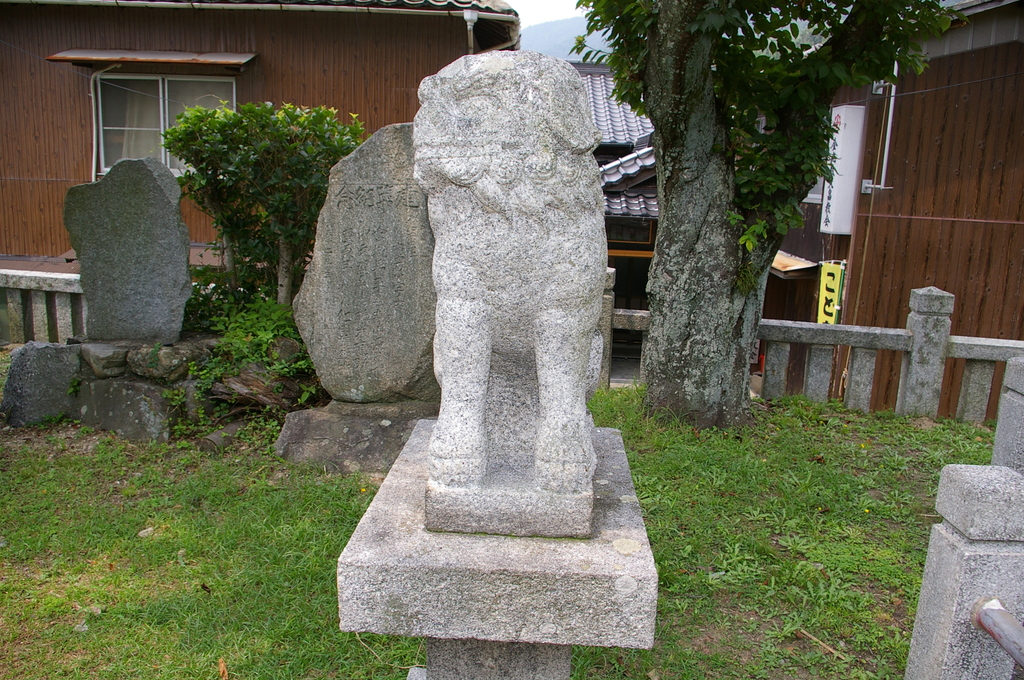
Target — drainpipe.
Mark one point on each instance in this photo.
(470, 15)
(95, 129)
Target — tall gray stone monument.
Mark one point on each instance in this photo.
(509, 530)
(132, 251)
(366, 306)
(366, 312)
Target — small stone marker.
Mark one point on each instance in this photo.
(366, 306)
(503, 150)
(132, 249)
(466, 543)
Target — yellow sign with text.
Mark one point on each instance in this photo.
(830, 290)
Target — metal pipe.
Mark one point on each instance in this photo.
(888, 127)
(990, 615)
(867, 186)
(471, 16)
(95, 126)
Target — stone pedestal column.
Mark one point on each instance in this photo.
(977, 552)
(479, 660)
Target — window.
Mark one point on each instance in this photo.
(135, 110)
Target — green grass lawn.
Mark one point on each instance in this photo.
(790, 549)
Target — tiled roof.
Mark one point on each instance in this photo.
(969, 7)
(617, 122)
(632, 203)
(627, 166)
(493, 6)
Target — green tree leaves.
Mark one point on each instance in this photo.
(776, 68)
(262, 174)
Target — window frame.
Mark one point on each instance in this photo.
(165, 122)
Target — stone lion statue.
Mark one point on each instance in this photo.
(503, 146)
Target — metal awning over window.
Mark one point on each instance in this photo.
(152, 57)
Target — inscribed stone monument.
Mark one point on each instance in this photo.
(503, 150)
(366, 307)
(132, 250)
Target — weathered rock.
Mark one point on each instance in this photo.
(134, 409)
(366, 307)
(41, 383)
(345, 437)
(133, 250)
(160, 362)
(284, 349)
(503, 150)
(106, 361)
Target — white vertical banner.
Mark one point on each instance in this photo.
(840, 197)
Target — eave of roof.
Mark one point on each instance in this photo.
(495, 10)
(969, 7)
(632, 203)
(627, 166)
(154, 57)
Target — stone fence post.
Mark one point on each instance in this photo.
(605, 326)
(921, 373)
(1009, 445)
(976, 552)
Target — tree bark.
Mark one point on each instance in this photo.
(229, 259)
(703, 317)
(284, 272)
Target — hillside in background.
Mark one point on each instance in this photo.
(556, 38)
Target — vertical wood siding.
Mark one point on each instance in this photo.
(369, 64)
(955, 216)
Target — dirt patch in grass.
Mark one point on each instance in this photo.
(923, 423)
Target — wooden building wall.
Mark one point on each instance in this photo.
(370, 64)
(954, 218)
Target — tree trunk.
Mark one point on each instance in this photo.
(284, 272)
(229, 259)
(705, 291)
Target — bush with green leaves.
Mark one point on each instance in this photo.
(262, 175)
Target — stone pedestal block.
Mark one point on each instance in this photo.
(395, 577)
(346, 437)
(134, 409)
(41, 383)
(105, 360)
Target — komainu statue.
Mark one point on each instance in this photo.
(503, 146)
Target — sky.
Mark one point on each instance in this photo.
(538, 11)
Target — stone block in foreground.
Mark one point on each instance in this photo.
(397, 578)
(347, 438)
(40, 383)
